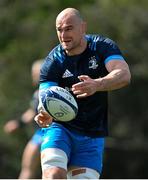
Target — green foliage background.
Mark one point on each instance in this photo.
(27, 33)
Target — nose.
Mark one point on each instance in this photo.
(63, 34)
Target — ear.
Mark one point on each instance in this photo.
(84, 27)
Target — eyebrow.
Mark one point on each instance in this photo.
(67, 26)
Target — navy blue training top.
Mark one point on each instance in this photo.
(58, 67)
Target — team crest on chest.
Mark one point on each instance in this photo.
(92, 63)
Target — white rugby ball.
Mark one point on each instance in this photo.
(59, 103)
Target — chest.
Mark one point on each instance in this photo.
(89, 63)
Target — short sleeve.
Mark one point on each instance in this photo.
(50, 70)
(109, 50)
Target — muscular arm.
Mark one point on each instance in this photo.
(118, 77)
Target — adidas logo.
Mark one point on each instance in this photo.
(67, 73)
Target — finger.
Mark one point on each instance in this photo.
(45, 125)
(42, 121)
(42, 112)
(83, 77)
(38, 120)
(45, 114)
(78, 85)
(77, 92)
(82, 95)
(42, 124)
(41, 117)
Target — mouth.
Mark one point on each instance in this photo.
(66, 41)
(66, 44)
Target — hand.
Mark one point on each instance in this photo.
(85, 88)
(43, 119)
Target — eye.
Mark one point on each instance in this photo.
(69, 28)
(65, 29)
(59, 29)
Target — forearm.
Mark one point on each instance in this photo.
(114, 80)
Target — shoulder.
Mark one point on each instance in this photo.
(55, 57)
(56, 54)
(98, 41)
(52, 63)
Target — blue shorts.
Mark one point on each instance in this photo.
(37, 137)
(82, 151)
